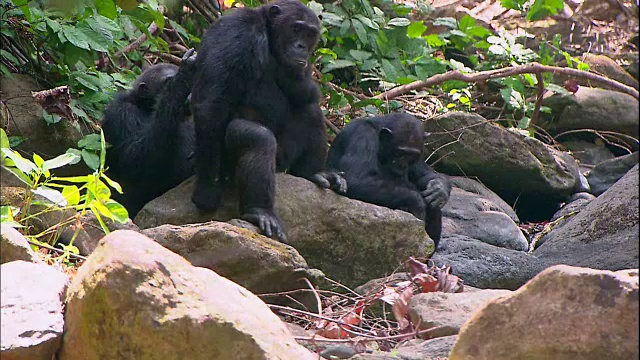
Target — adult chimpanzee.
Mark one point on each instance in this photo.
(255, 107)
(151, 133)
(381, 161)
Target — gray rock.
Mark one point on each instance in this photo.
(475, 196)
(604, 235)
(571, 209)
(32, 302)
(512, 165)
(564, 313)
(447, 312)
(14, 246)
(349, 240)
(588, 153)
(485, 266)
(26, 119)
(491, 227)
(432, 349)
(253, 261)
(592, 108)
(146, 302)
(605, 174)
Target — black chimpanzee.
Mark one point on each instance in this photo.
(256, 111)
(381, 161)
(151, 133)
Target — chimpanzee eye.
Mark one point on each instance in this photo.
(297, 27)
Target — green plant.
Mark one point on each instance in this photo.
(46, 192)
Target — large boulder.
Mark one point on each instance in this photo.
(26, 120)
(477, 212)
(134, 299)
(485, 266)
(521, 170)
(606, 173)
(604, 235)
(253, 261)
(32, 302)
(349, 240)
(446, 312)
(592, 108)
(564, 313)
(14, 246)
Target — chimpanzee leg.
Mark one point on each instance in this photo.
(253, 149)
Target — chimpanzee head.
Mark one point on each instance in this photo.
(400, 145)
(149, 84)
(294, 31)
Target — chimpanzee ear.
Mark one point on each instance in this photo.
(142, 89)
(386, 135)
(274, 10)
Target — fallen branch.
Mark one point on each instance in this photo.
(533, 68)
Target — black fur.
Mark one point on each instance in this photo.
(151, 134)
(382, 163)
(256, 109)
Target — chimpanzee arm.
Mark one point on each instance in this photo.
(142, 137)
(434, 187)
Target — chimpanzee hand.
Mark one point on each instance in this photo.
(188, 65)
(436, 194)
(330, 180)
(267, 221)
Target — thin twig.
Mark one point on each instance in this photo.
(377, 338)
(56, 249)
(315, 293)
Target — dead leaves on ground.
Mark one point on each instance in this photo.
(423, 279)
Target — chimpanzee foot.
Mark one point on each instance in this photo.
(268, 222)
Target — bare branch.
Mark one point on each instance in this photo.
(533, 68)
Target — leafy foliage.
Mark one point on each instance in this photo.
(80, 193)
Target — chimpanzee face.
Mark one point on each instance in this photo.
(398, 150)
(294, 33)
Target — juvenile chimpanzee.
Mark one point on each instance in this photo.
(381, 161)
(255, 107)
(151, 133)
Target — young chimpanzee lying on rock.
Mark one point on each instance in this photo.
(381, 160)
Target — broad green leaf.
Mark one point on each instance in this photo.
(338, 64)
(73, 179)
(90, 142)
(416, 29)
(106, 8)
(361, 32)
(51, 194)
(524, 122)
(4, 140)
(76, 37)
(449, 22)
(91, 159)
(76, 152)
(400, 22)
(21, 163)
(332, 19)
(360, 55)
(113, 184)
(107, 23)
(72, 194)
(367, 22)
(61, 160)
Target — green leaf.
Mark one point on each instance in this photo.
(91, 159)
(361, 32)
(360, 55)
(90, 142)
(77, 153)
(400, 22)
(106, 8)
(4, 140)
(389, 70)
(76, 37)
(416, 29)
(113, 184)
(51, 194)
(338, 64)
(7, 214)
(543, 8)
(61, 160)
(449, 22)
(72, 194)
(21, 163)
(38, 160)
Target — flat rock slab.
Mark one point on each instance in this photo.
(32, 303)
